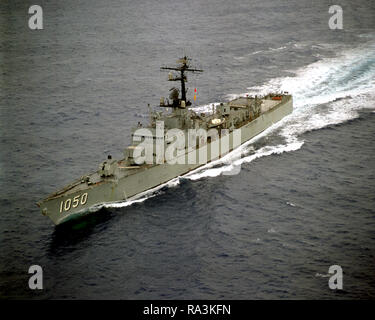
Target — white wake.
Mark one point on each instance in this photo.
(326, 92)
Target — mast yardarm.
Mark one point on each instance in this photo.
(184, 66)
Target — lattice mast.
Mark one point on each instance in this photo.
(184, 66)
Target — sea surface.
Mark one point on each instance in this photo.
(304, 199)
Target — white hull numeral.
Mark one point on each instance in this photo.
(68, 203)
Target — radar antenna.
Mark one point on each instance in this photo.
(184, 65)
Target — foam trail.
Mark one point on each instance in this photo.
(141, 197)
(350, 74)
(329, 91)
(346, 83)
(233, 159)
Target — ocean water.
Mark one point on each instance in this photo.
(304, 199)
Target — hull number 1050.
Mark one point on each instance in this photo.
(66, 205)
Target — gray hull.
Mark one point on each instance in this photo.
(78, 199)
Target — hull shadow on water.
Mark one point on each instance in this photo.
(67, 236)
(77, 230)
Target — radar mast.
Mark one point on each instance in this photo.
(184, 66)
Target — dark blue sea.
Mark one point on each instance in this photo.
(304, 199)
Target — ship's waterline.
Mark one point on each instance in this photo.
(172, 145)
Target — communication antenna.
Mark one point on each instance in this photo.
(182, 67)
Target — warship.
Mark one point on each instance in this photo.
(176, 141)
